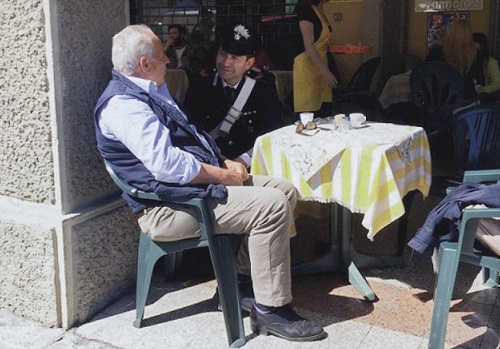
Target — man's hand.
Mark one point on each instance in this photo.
(234, 174)
(237, 167)
(231, 177)
(170, 42)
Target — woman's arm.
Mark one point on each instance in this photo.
(307, 30)
(492, 77)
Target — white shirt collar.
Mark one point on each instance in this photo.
(151, 87)
(145, 84)
(224, 84)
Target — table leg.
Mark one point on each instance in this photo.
(339, 254)
(327, 263)
(343, 218)
(397, 260)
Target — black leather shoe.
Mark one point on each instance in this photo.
(283, 322)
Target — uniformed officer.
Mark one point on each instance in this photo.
(231, 106)
(235, 109)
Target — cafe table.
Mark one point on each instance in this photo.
(366, 170)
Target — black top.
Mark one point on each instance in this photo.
(307, 13)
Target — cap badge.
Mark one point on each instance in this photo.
(240, 31)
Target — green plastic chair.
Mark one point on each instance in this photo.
(221, 247)
(451, 253)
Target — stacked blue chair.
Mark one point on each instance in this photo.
(477, 138)
(221, 247)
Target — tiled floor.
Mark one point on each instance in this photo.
(401, 316)
(399, 319)
(183, 314)
(405, 294)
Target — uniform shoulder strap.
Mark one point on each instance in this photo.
(235, 111)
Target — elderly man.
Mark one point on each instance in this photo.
(233, 107)
(147, 140)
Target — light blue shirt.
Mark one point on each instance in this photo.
(135, 125)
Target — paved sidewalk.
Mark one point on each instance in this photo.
(184, 314)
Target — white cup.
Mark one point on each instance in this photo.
(339, 120)
(306, 117)
(357, 119)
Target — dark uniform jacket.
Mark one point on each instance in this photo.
(207, 105)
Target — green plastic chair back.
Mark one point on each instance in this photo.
(221, 247)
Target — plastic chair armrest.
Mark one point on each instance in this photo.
(477, 213)
(479, 176)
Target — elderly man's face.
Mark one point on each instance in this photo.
(159, 62)
(231, 68)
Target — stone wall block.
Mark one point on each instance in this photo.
(104, 252)
(28, 282)
(85, 30)
(26, 164)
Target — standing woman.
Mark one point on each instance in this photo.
(312, 79)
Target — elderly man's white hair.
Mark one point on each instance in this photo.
(129, 45)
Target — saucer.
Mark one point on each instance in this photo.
(360, 126)
(309, 132)
(327, 127)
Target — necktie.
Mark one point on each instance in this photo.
(230, 94)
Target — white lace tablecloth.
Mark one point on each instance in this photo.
(368, 170)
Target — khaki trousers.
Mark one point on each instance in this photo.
(263, 210)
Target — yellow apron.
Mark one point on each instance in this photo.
(309, 87)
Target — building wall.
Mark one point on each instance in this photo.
(68, 243)
(346, 30)
(26, 161)
(417, 34)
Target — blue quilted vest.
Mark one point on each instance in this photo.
(131, 169)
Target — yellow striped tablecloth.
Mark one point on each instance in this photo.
(367, 170)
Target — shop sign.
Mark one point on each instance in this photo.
(448, 5)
